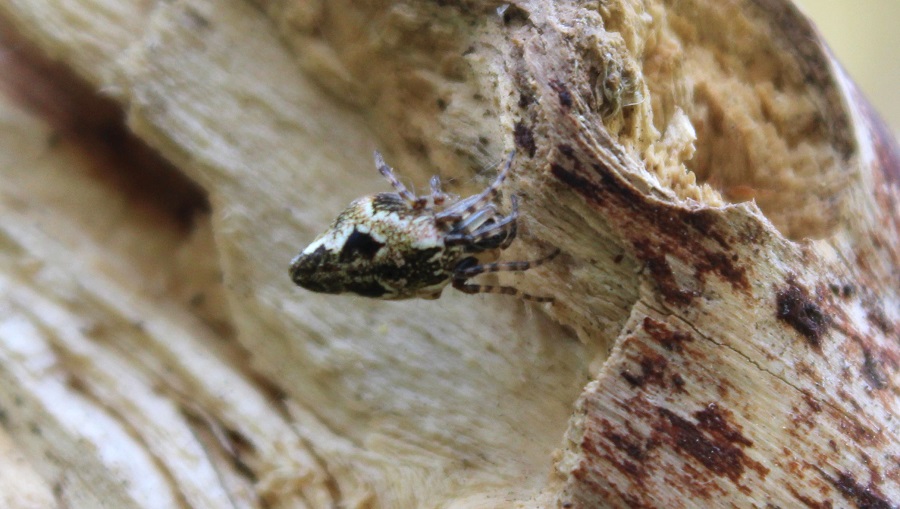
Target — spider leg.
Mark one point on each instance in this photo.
(388, 173)
(504, 228)
(465, 207)
(469, 268)
(438, 197)
(453, 213)
(475, 221)
(461, 285)
(467, 271)
(513, 227)
(506, 225)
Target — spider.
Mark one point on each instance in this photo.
(400, 245)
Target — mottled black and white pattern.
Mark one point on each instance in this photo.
(400, 246)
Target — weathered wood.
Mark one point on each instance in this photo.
(726, 318)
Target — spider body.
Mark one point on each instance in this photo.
(400, 246)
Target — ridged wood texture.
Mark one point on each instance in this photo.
(726, 330)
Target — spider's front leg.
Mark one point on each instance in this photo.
(388, 173)
(469, 268)
(464, 208)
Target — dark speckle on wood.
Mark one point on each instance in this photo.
(796, 307)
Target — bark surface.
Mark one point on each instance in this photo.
(726, 328)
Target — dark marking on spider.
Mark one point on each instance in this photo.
(360, 244)
(367, 289)
(400, 245)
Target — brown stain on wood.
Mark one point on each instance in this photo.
(562, 92)
(714, 440)
(863, 497)
(809, 501)
(797, 308)
(524, 138)
(708, 443)
(671, 340)
(656, 231)
(653, 371)
(655, 261)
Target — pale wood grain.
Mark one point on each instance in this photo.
(726, 317)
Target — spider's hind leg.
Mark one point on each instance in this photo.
(469, 268)
(464, 287)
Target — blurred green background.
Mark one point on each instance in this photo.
(865, 35)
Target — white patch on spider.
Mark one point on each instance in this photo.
(338, 239)
(310, 248)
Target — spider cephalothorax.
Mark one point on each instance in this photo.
(400, 246)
